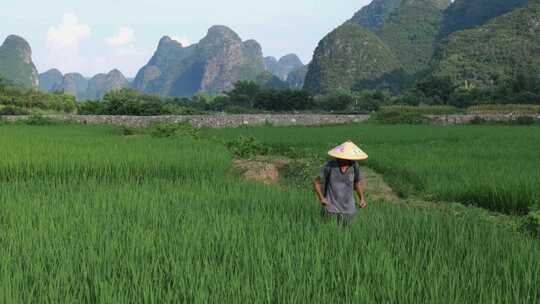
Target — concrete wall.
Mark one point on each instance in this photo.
(221, 121)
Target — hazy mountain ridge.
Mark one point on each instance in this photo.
(213, 65)
(16, 62)
(157, 76)
(100, 84)
(74, 84)
(282, 67)
(296, 78)
(50, 80)
(82, 88)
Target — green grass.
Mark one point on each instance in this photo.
(89, 216)
(422, 110)
(522, 109)
(495, 167)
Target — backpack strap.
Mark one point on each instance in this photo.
(326, 179)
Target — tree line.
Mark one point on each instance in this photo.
(252, 97)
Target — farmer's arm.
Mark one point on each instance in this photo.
(317, 187)
(359, 188)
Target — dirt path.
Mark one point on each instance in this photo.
(276, 171)
(280, 171)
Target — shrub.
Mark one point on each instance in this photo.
(241, 110)
(336, 101)
(524, 120)
(423, 110)
(284, 100)
(370, 101)
(11, 110)
(173, 129)
(534, 222)
(126, 131)
(477, 120)
(245, 147)
(399, 118)
(504, 109)
(91, 108)
(38, 120)
(243, 94)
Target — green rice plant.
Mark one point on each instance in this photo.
(89, 216)
(53, 155)
(492, 166)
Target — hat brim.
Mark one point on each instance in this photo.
(347, 156)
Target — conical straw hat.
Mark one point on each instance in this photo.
(349, 151)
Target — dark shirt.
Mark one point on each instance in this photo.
(339, 187)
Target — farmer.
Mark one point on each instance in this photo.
(342, 177)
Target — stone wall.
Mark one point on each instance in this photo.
(458, 119)
(209, 121)
(221, 121)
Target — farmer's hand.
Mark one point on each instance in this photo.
(363, 204)
(324, 202)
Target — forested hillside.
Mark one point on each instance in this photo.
(346, 56)
(434, 49)
(466, 14)
(501, 49)
(406, 33)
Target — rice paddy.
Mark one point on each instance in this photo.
(494, 167)
(89, 216)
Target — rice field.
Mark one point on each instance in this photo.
(494, 167)
(89, 216)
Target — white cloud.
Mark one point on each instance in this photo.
(128, 59)
(68, 34)
(123, 54)
(124, 36)
(183, 40)
(63, 44)
(66, 49)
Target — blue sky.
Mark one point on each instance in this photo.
(96, 36)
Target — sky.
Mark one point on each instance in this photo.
(97, 36)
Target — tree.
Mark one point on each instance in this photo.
(339, 100)
(243, 94)
(437, 89)
(370, 101)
